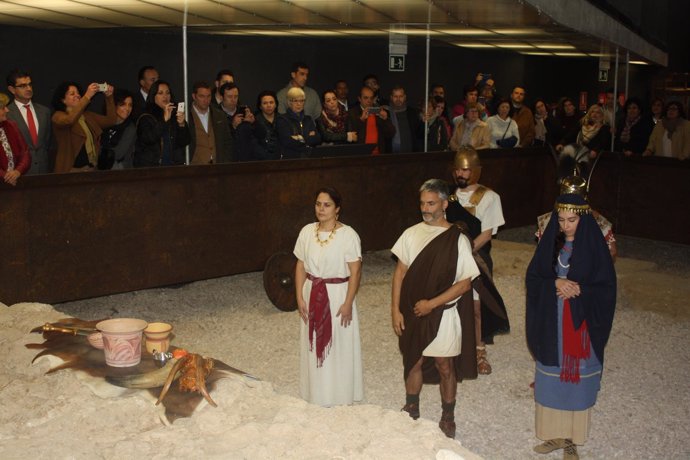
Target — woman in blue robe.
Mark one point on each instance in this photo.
(571, 298)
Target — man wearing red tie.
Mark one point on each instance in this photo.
(32, 119)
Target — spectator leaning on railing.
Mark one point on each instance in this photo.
(671, 136)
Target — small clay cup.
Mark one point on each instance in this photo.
(157, 337)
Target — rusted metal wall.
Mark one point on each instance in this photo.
(644, 197)
(81, 235)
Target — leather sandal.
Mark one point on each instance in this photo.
(483, 366)
(550, 446)
(570, 451)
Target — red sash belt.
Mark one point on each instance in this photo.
(575, 346)
(320, 315)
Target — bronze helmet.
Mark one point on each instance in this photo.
(467, 158)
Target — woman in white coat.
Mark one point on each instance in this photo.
(504, 130)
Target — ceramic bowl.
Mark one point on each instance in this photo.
(95, 340)
(122, 341)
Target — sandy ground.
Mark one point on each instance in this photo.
(642, 411)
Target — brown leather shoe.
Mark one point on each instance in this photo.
(412, 409)
(447, 424)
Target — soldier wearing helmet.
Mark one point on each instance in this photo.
(479, 208)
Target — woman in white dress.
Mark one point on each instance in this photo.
(327, 275)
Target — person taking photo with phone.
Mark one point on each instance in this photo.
(78, 132)
(162, 132)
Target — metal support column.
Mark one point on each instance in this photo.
(615, 101)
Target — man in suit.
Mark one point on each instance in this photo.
(148, 75)
(32, 119)
(211, 141)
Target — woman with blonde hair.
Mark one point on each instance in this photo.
(594, 133)
(296, 130)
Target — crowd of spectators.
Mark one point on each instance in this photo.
(147, 128)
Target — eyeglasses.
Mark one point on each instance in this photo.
(24, 85)
(298, 101)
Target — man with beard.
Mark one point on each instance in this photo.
(406, 120)
(33, 120)
(479, 208)
(523, 116)
(430, 314)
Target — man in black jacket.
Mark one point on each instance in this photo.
(407, 122)
(372, 123)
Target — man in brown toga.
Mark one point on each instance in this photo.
(431, 316)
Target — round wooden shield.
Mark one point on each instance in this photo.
(279, 280)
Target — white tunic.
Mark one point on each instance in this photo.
(339, 380)
(448, 339)
(489, 210)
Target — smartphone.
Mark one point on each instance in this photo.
(102, 87)
(242, 109)
(481, 100)
(180, 107)
(375, 110)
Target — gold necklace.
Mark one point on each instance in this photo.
(321, 242)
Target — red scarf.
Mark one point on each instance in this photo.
(372, 136)
(320, 316)
(576, 346)
(335, 123)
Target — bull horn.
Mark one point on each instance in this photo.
(153, 379)
(201, 382)
(171, 378)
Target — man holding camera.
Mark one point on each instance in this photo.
(372, 123)
(240, 119)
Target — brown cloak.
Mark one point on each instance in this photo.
(431, 273)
